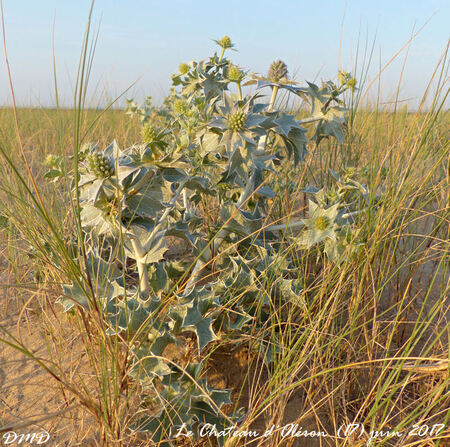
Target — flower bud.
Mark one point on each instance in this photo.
(352, 83)
(148, 134)
(349, 172)
(234, 74)
(183, 68)
(342, 77)
(277, 71)
(85, 150)
(225, 42)
(236, 121)
(100, 166)
(180, 107)
(51, 161)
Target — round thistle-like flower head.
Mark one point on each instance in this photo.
(51, 161)
(148, 134)
(321, 223)
(277, 71)
(100, 166)
(225, 42)
(86, 149)
(343, 77)
(183, 68)
(235, 74)
(349, 172)
(333, 196)
(352, 83)
(180, 107)
(236, 121)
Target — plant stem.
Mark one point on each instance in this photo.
(207, 255)
(194, 275)
(221, 54)
(139, 253)
(299, 223)
(185, 200)
(141, 183)
(169, 207)
(239, 91)
(309, 120)
(285, 226)
(263, 139)
(272, 99)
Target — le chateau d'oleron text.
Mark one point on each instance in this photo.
(295, 431)
(286, 431)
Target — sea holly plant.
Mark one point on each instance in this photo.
(333, 215)
(203, 175)
(145, 112)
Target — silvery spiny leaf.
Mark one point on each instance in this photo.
(193, 401)
(195, 312)
(331, 127)
(98, 221)
(188, 229)
(159, 280)
(253, 221)
(244, 276)
(147, 364)
(200, 78)
(296, 144)
(128, 313)
(102, 275)
(284, 123)
(323, 107)
(262, 82)
(291, 291)
(154, 245)
(200, 325)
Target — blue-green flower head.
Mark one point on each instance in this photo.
(235, 74)
(148, 134)
(180, 107)
(236, 121)
(225, 42)
(100, 166)
(183, 68)
(277, 71)
(352, 83)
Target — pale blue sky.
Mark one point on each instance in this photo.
(150, 38)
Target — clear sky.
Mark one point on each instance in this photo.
(148, 39)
